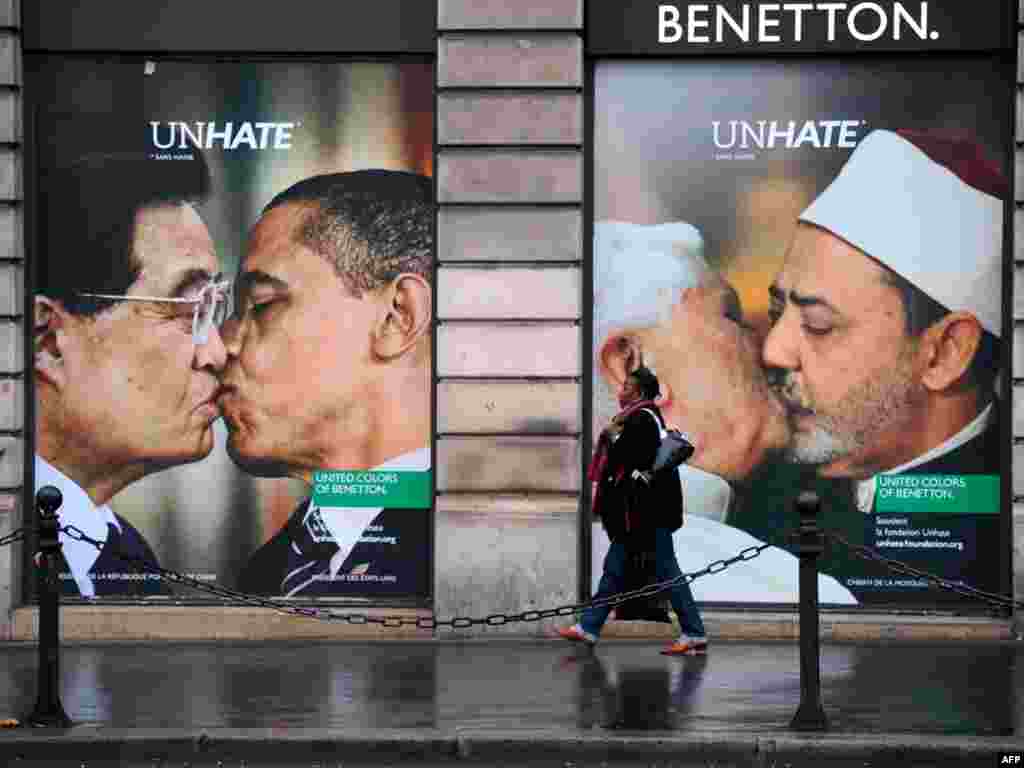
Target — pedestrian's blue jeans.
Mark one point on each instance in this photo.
(666, 567)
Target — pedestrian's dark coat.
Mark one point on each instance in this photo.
(631, 510)
(659, 505)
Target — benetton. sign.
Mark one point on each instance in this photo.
(648, 26)
(772, 22)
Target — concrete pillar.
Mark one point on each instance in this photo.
(510, 300)
(13, 380)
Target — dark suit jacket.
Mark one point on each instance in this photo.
(981, 564)
(114, 576)
(396, 569)
(764, 507)
(659, 505)
(980, 456)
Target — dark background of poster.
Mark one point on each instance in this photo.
(223, 26)
(654, 162)
(615, 28)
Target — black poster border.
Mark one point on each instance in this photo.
(24, 585)
(229, 26)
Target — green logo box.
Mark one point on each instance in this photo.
(388, 489)
(940, 494)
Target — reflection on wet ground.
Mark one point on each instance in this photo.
(523, 685)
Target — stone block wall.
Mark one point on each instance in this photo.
(13, 385)
(509, 305)
(511, 295)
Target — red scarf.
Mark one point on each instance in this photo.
(599, 463)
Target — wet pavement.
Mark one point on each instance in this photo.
(520, 689)
(943, 689)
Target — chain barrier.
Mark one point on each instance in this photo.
(500, 619)
(13, 536)
(866, 553)
(424, 622)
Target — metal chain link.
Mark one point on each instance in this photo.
(866, 553)
(501, 619)
(13, 536)
(424, 622)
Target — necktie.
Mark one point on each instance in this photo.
(123, 556)
(109, 562)
(312, 547)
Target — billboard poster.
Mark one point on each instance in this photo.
(233, 304)
(809, 254)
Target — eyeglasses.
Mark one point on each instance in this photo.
(212, 305)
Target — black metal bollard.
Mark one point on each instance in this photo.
(49, 712)
(809, 716)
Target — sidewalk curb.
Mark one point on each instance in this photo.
(260, 744)
(109, 624)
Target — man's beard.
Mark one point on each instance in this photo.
(876, 406)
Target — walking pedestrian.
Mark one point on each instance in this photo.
(639, 511)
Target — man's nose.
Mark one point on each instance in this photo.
(231, 336)
(780, 347)
(212, 355)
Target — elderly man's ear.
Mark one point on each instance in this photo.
(619, 356)
(49, 339)
(947, 349)
(404, 317)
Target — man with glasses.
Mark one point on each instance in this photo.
(126, 347)
(329, 367)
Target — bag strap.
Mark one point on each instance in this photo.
(661, 428)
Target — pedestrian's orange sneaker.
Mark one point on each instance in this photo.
(575, 634)
(687, 646)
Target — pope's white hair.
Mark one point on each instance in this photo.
(639, 272)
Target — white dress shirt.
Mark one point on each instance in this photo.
(77, 509)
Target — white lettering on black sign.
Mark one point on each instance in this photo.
(247, 135)
(786, 22)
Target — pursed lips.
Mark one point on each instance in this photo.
(212, 398)
(794, 409)
(226, 393)
(788, 394)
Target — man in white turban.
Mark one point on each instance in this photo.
(884, 345)
(886, 318)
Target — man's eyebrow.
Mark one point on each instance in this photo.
(190, 279)
(811, 301)
(257, 277)
(801, 300)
